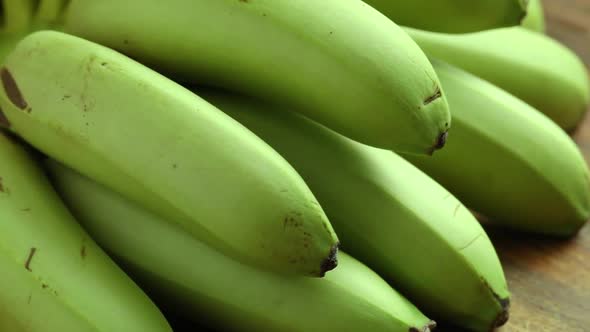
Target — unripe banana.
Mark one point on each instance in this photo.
(339, 61)
(389, 215)
(191, 278)
(7, 42)
(535, 18)
(508, 161)
(529, 65)
(164, 147)
(16, 15)
(49, 12)
(54, 277)
(453, 16)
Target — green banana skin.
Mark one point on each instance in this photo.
(158, 143)
(7, 43)
(224, 293)
(535, 19)
(508, 161)
(17, 15)
(340, 62)
(55, 277)
(453, 16)
(529, 65)
(376, 201)
(44, 312)
(49, 13)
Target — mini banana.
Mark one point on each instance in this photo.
(339, 61)
(389, 215)
(164, 147)
(54, 276)
(508, 161)
(453, 16)
(191, 278)
(529, 65)
(535, 19)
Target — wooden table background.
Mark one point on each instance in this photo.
(549, 279)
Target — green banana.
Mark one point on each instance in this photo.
(339, 61)
(54, 276)
(17, 15)
(156, 142)
(49, 12)
(535, 19)
(529, 65)
(453, 16)
(7, 43)
(439, 256)
(508, 161)
(216, 290)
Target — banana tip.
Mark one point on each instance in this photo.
(331, 262)
(427, 328)
(504, 315)
(442, 140)
(440, 143)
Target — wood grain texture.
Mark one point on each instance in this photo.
(549, 280)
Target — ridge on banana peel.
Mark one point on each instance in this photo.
(531, 66)
(340, 61)
(162, 146)
(535, 18)
(522, 171)
(54, 277)
(225, 293)
(389, 215)
(453, 16)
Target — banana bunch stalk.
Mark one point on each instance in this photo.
(224, 152)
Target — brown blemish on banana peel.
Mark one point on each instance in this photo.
(331, 262)
(3, 119)
(12, 91)
(429, 327)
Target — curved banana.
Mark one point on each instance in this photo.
(338, 61)
(508, 161)
(212, 288)
(453, 16)
(529, 65)
(164, 147)
(535, 18)
(389, 215)
(54, 276)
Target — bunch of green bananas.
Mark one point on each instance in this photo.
(222, 152)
